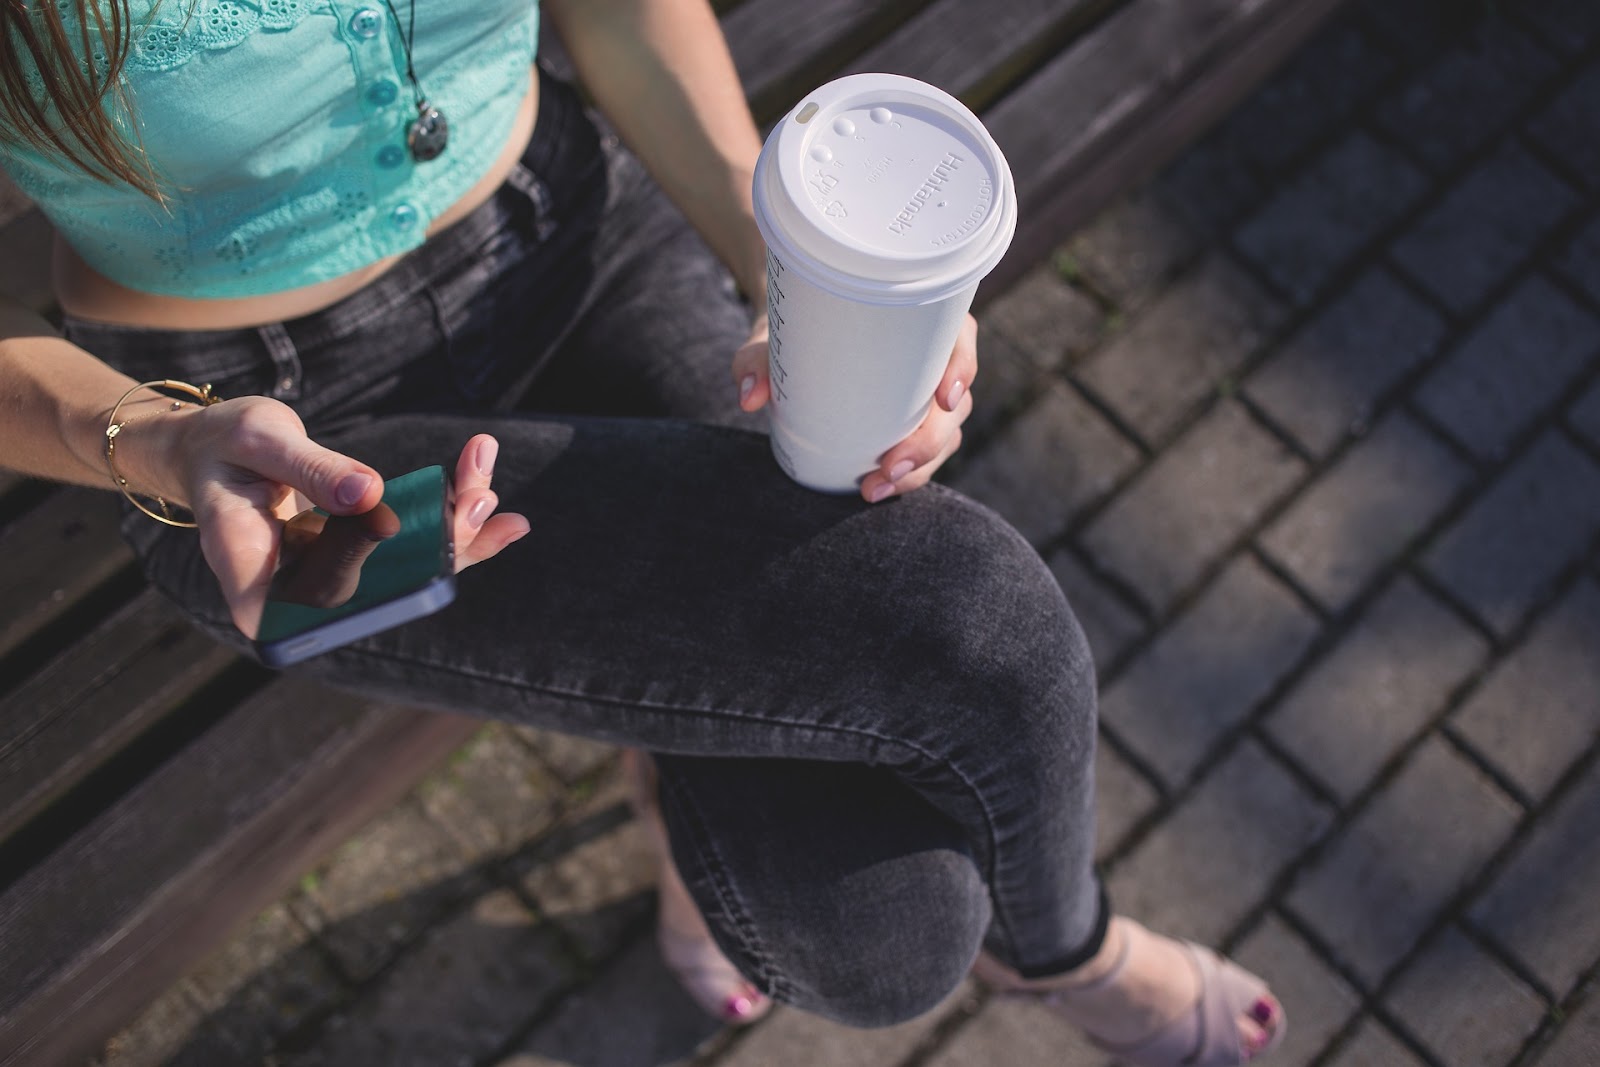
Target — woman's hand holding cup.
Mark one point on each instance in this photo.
(914, 461)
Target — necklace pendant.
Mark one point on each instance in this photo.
(428, 135)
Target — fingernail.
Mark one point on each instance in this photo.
(900, 470)
(479, 512)
(955, 392)
(741, 1005)
(352, 489)
(881, 493)
(1261, 1011)
(488, 451)
(746, 386)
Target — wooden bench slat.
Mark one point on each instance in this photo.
(130, 672)
(1110, 110)
(783, 49)
(55, 555)
(215, 833)
(968, 49)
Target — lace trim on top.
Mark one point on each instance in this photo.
(176, 36)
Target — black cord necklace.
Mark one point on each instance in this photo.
(427, 136)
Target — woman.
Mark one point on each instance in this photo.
(376, 230)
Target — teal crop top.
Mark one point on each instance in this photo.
(279, 126)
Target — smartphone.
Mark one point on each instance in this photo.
(345, 577)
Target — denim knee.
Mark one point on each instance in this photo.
(994, 643)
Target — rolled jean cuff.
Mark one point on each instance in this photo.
(1083, 953)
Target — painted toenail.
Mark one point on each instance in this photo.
(741, 1005)
(1261, 1011)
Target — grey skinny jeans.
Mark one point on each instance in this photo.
(875, 725)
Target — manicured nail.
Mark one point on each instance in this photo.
(479, 512)
(955, 393)
(900, 470)
(742, 1005)
(352, 489)
(488, 452)
(745, 387)
(1261, 1011)
(881, 493)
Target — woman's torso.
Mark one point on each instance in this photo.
(278, 128)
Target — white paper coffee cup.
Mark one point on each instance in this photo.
(883, 202)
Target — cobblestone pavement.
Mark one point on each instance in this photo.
(1309, 430)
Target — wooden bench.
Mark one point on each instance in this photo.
(156, 791)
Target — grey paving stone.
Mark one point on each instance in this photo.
(1044, 317)
(1577, 1043)
(1372, 894)
(1130, 249)
(1570, 127)
(1504, 553)
(1204, 674)
(1210, 186)
(383, 887)
(1317, 1001)
(1511, 369)
(1122, 797)
(1007, 380)
(1200, 331)
(796, 1037)
(1214, 859)
(1541, 907)
(1108, 623)
(458, 997)
(1327, 380)
(1373, 1046)
(594, 877)
(1486, 224)
(1462, 98)
(493, 795)
(1585, 415)
(1580, 260)
(263, 983)
(1365, 509)
(1377, 689)
(1417, 30)
(159, 1034)
(634, 1012)
(1566, 25)
(571, 758)
(1309, 99)
(1316, 224)
(1018, 1031)
(1205, 490)
(1530, 716)
(1463, 1005)
(1058, 457)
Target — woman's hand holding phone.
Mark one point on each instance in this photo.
(245, 467)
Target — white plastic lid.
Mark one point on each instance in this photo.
(885, 188)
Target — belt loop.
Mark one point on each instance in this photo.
(285, 361)
(530, 185)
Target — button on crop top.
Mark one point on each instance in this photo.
(279, 127)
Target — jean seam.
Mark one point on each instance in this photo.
(567, 694)
(711, 861)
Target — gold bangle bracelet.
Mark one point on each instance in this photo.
(200, 393)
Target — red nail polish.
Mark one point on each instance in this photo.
(1261, 1011)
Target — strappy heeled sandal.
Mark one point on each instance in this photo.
(1206, 1034)
(708, 976)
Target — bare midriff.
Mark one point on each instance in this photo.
(88, 294)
